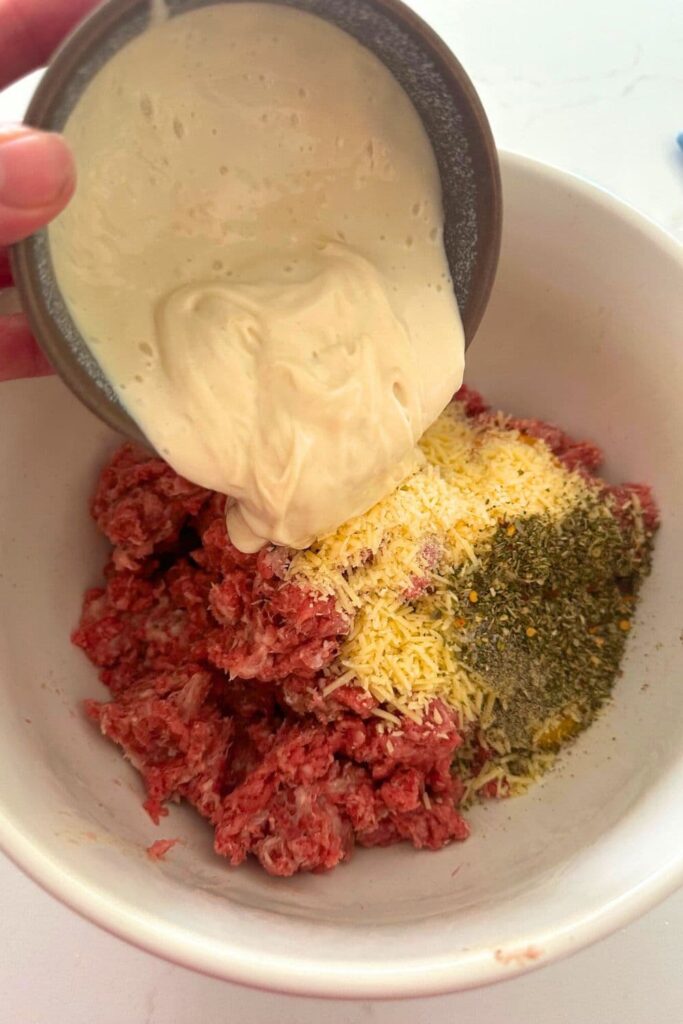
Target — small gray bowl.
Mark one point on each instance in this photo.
(434, 80)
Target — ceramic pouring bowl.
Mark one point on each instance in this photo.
(422, 63)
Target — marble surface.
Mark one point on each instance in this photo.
(593, 86)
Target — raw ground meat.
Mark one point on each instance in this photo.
(160, 847)
(216, 667)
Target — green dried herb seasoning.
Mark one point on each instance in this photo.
(542, 621)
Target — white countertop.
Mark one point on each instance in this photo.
(593, 86)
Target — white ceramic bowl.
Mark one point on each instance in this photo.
(586, 328)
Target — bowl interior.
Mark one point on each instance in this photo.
(430, 75)
(584, 329)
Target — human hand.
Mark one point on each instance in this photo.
(37, 174)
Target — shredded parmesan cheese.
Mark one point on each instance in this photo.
(388, 568)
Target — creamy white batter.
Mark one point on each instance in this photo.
(255, 256)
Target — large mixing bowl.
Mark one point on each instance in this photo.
(585, 327)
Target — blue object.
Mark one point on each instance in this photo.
(679, 139)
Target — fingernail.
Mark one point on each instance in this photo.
(36, 170)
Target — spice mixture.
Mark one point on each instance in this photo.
(440, 648)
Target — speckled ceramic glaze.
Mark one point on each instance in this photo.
(436, 83)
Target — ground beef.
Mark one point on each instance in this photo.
(160, 847)
(141, 505)
(215, 663)
(217, 666)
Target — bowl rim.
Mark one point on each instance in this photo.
(420, 976)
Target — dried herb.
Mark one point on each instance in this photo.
(542, 620)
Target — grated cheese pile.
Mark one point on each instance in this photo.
(388, 568)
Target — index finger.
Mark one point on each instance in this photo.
(5, 272)
(20, 355)
(31, 30)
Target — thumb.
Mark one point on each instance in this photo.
(37, 179)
